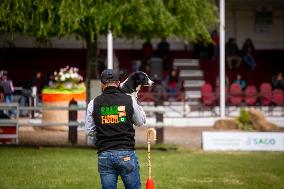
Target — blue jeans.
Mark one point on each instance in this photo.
(10, 99)
(249, 60)
(172, 92)
(113, 163)
(25, 97)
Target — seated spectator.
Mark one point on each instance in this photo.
(240, 81)
(247, 50)
(278, 81)
(173, 84)
(233, 54)
(8, 88)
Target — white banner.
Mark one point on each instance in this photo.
(247, 141)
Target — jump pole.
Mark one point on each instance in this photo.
(150, 181)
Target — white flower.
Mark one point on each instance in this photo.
(67, 75)
(73, 75)
(66, 68)
(76, 75)
(62, 78)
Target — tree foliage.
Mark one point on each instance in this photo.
(188, 19)
(36, 18)
(88, 19)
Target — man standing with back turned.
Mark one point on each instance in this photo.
(110, 118)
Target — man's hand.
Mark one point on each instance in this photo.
(144, 114)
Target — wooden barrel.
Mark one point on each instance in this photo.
(59, 116)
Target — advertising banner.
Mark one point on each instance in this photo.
(246, 141)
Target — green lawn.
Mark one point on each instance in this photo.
(77, 168)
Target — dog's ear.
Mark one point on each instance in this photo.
(136, 77)
(142, 79)
(136, 74)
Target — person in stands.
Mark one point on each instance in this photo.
(216, 46)
(233, 54)
(240, 81)
(163, 52)
(147, 50)
(173, 83)
(278, 81)
(247, 50)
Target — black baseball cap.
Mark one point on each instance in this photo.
(109, 75)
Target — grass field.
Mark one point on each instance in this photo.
(77, 168)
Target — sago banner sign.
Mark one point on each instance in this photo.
(247, 141)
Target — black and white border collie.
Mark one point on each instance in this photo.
(134, 82)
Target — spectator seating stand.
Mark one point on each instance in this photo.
(208, 97)
(278, 99)
(235, 94)
(250, 97)
(266, 94)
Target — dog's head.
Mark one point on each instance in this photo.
(135, 81)
(141, 78)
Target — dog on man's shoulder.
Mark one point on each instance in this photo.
(134, 82)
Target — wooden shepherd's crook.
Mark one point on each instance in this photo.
(150, 182)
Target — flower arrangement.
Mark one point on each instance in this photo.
(65, 86)
(67, 77)
(66, 80)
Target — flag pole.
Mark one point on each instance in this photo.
(222, 59)
(109, 50)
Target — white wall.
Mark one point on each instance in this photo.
(73, 43)
(240, 23)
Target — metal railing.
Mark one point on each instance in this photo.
(7, 136)
(16, 122)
